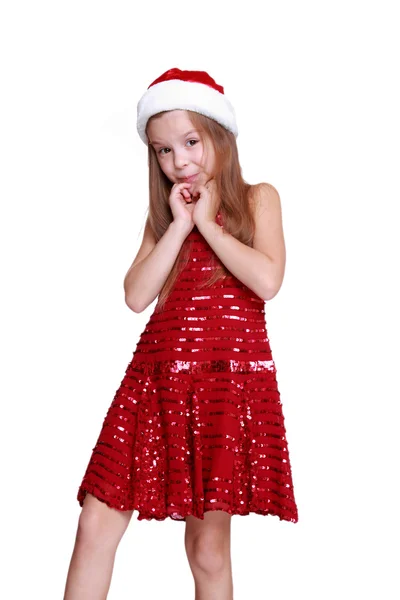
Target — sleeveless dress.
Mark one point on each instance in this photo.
(196, 423)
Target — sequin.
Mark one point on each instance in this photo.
(196, 423)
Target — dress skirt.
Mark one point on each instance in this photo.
(196, 423)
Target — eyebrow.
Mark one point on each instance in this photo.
(184, 135)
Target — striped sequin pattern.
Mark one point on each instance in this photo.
(196, 423)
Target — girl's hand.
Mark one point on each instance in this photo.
(206, 201)
(181, 205)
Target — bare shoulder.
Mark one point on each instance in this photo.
(269, 236)
(263, 196)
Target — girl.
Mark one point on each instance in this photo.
(196, 431)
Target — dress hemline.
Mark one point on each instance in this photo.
(180, 515)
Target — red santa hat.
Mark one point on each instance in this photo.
(186, 90)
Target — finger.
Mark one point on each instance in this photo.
(181, 185)
(196, 189)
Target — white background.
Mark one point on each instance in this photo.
(315, 89)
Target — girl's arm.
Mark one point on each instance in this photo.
(146, 277)
(262, 267)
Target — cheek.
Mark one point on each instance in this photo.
(165, 170)
(200, 158)
(206, 157)
(164, 166)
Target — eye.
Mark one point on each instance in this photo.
(161, 149)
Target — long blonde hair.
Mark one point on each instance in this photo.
(234, 193)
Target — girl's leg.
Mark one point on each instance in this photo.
(100, 529)
(208, 548)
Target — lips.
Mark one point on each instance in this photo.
(190, 178)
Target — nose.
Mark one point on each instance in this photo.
(180, 160)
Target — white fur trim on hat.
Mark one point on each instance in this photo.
(186, 95)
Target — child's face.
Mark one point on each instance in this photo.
(179, 148)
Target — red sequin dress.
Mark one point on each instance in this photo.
(196, 423)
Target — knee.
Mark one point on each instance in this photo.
(94, 527)
(207, 554)
(90, 528)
